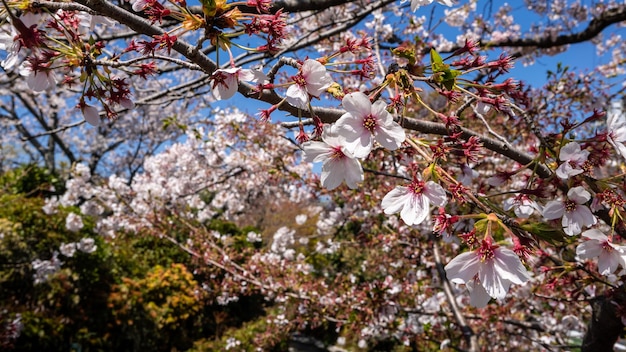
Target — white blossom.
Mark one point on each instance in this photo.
(73, 222)
(492, 267)
(573, 159)
(598, 245)
(338, 164)
(413, 202)
(575, 215)
(311, 80)
(87, 245)
(364, 122)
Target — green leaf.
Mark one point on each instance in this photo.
(209, 7)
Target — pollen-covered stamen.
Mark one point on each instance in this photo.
(337, 153)
(300, 80)
(607, 246)
(417, 187)
(570, 206)
(370, 123)
(486, 251)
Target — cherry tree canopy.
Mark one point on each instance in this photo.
(471, 193)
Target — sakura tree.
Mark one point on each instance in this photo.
(457, 205)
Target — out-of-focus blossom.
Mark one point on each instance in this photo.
(616, 125)
(598, 245)
(573, 160)
(575, 215)
(87, 245)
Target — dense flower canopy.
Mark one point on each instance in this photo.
(390, 175)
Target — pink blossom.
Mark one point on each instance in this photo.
(37, 80)
(311, 80)
(415, 4)
(573, 158)
(493, 267)
(521, 205)
(616, 124)
(226, 81)
(598, 245)
(575, 214)
(338, 164)
(413, 202)
(364, 123)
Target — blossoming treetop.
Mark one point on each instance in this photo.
(517, 188)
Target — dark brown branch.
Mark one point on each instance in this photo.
(605, 325)
(595, 27)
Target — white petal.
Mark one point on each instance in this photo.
(579, 195)
(595, 234)
(589, 249)
(357, 104)
(390, 136)
(508, 266)
(478, 296)
(91, 115)
(463, 267)
(553, 210)
(297, 96)
(435, 193)
(316, 151)
(569, 151)
(416, 210)
(395, 200)
(608, 262)
(494, 284)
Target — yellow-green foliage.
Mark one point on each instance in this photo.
(167, 296)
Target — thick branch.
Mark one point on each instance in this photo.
(605, 325)
(595, 27)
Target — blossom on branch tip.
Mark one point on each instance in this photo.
(575, 215)
(616, 125)
(415, 4)
(413, 201)
(226, 81)
(493, 267)
(522, 205)
(311, 80)
(364, 123)
(573, 160)
(337, 163)
(598, 245)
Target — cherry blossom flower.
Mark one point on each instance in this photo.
(616, 124)
(415, 4)
(12, 41)
(364, 123)
(522, 205)
(226, 81)
(573, 159)
(87, 245)
(493, 267)
(338, 164)
(311, 80)
(598, 245)
(575, 214)
(413, 201)
(37, 79)
(73, 222)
